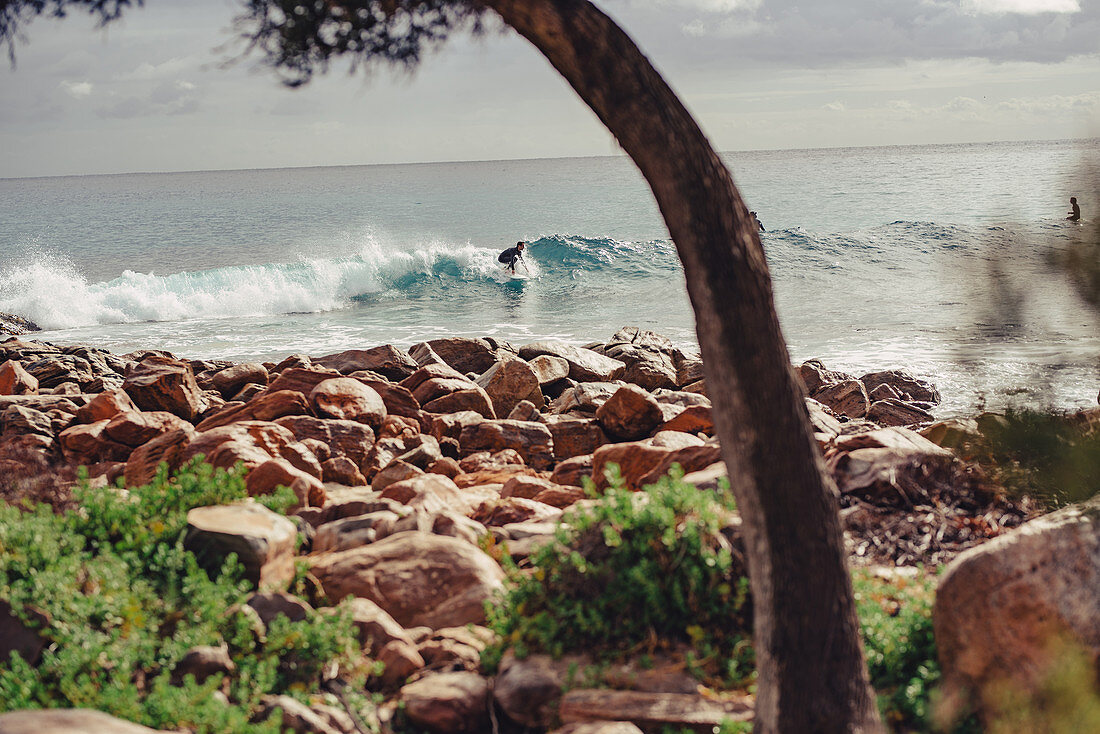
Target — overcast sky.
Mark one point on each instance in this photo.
(150, 93)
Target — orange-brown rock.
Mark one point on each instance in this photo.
(398, 426)
(629, 414)
(904, 383)
(342, 470)
(509, 382)
(695, 419)
(505, 510)
(527, 487)
(533, 441)
(162, 383)
(268, 406)
(106, 405)
(375, 627)
(690, 459)
(387, 360)
(273, 473)
(68, 721)
(168, 448)
(572, 472)
(136, 428)
(560, 496)
(302, 379)
(432, 493)
(230, 380)
(400, 659)
(635, 460)
(446, 466)
(584, 364)
(263, 541)
(345, 398)
(575, 436)
(418, 578)
(399, 400)
(14, 380)
(549, 369)
(87, 444)
(460, 353)
(344, 438)
(846, 397)
(448, 703)
(897, 413)
(473, 398)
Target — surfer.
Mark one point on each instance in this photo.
(1075, 213)
(513, 254)
(756, 221)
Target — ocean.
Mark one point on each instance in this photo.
(938, 259)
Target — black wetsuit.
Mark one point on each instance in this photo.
(510, 256)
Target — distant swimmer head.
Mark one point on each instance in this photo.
(1072, 200)
(520, 245)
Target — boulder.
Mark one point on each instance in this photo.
(272, 604)
(1005, 608)
(585, 365)
(267, 406)
(17, 420)
(263, 541)
(375, 627)
(399, 659)
(230, 380)
(168, 448)
(418, 578)
(399, 401)
(584, 397)
(906, 385)
(274, 473)
(431, 493)
(387, 360)
(640, 463)
(646, 368)
(575, 436)
(599, 727)
(629, 414)
(56, 369)
(136, 428)
(506, 510)
(67, 721)
(509, 382)
(528, 689)
(342, 470)
(448, 703)
(653, 711)
(897, 413)
(694, 419)
(87, 444)
(106, 405)
(846, 397)
(302, 379)
(472, 398)
(815, 376)
(352, 532)
(572, 472)
(14, 380)
(162, 383)
(345, 398)
(533, 441)
(295, 716)
(344, 438)
(461, 353)
(202, 662)
(549, 369)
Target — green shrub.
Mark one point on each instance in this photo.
(633, 572)
(126, 602)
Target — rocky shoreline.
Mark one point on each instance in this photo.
(405, 463)
(12, 325)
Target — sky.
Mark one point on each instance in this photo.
(159, 90)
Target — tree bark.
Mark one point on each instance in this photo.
(811, 673)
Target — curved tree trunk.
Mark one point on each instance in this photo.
(810, 665)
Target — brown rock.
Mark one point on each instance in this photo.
(585, 365)
(67, 721)
(904, 384)
(506, 510)
(652, 711)
(460, 353)
(272, 604)
(274, 473)
(528, 689)
(418, 578)
(448, 703)
(471, 399)
(397, 399)
(690, 459)
(815, 376)
(572, 472)
(524, 486)
(268, 406)
(230, 380)
(375, 627)
(400, 660)
(344, 438)
(14, 380)
(202, 662)
(560, 496)
(847, 397)
(431, 493)
(533, 441)
(446, 466)
(301, 379)
(508, 383)
(295, 716)
(630, 413)
(106, 405)
(897, 413)
(386, 360)
(135, 429)
(584, 398)
(646, 368)
(575, 436)
(87, 444)
(345, 398)
(394, 472)
(161, 383)
(342, 470)
(57, 369)
(1006, 608)
(695, 419)
(263, 541)
(168, 448)
(549, 369)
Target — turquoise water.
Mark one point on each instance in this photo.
(933, 258)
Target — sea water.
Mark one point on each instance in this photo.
(938, 259)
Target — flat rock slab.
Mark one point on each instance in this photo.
(67, 721)
(263, 540)
(585, 365)
(651, 712)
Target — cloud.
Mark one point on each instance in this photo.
(1023, 7)
(178, 97)
(77, 90)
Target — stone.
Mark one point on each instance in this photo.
(399, 401)
(168, 448)
(272, 604)
(87, 444)
(387, 360)
(822, 420)
(533, 441)
(528, 689)
(344, 438)
(585, 365)
(708, 478)
(584, 397)
(137, 428)
(399, 659)
(342, 470)
(815, 376)
(274, 473)
(17, 637)
(675, 440)
(263, 541)
(394, 472)
(106, 405)
(646, 368)
(689, 369)
(376, 628)
(575, 436)
(506, 510)
(461, 353)
(345, 398)
(524, 486)
(525, 410)
(67, 721)
(629, 414)
(230, 380)
(161, 383)
(294, 716)
(1003, 609)
(16, 420)
(572, 472)
(883, 392)
(897, 413)
(202, 662)
(57, 369)
(446, 466)
(14, 380)
(693, 419)
(448, 703)
(904, 383)
(641, 463)
(652, 711)
(955, 433)
(509, 382)
(301, 379)
(549, 369)
(472, 398)
(418, 578)
(846, 397)
(268, 406)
